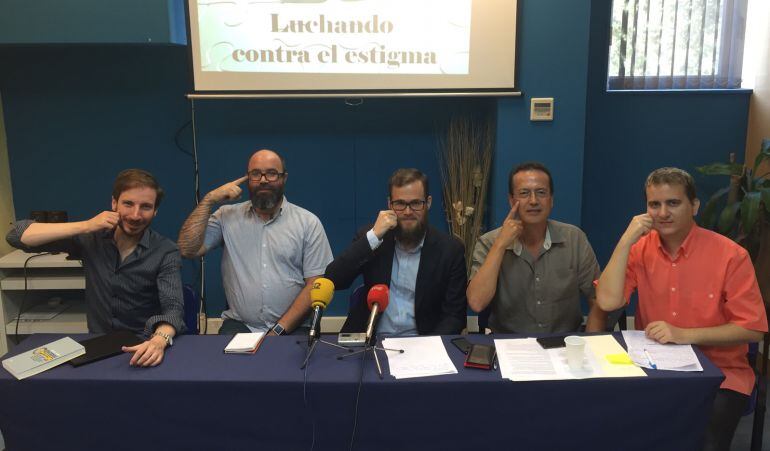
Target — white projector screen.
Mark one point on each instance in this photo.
(353, 46)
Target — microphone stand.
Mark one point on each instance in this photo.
(311, 348)
(373, 348)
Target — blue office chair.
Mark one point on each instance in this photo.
(483, 320)
(192, 305)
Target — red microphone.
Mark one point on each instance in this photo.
(377, 300)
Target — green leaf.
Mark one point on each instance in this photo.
(761, 156)
(765, 193)
(727, 218)
(749, 211)
(708, 215)
(721, 169)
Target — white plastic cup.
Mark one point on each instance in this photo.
(575, 351)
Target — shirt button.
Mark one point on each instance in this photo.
(711, 295)
(265, 245)
(539, 302)
(673, 288)
(673, 313)
(537, 279)
(264, 286)
(541, 325)
(673, 264)
(264, 265)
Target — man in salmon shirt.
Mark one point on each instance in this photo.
(695, 287)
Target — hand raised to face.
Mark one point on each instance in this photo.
(511, 228)
(640, 225)
(229, 191)
(386, 220)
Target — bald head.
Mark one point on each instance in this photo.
(266, 158)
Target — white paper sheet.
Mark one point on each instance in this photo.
(524, 359)
(664, 356)
(422, 356)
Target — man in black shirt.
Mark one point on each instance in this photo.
(132, 273)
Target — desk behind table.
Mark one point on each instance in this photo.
(202, 399)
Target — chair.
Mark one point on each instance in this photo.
(192, 305)
(357, 296)
(483, 320)
(758, 400)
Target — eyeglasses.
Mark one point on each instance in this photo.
(271, 175)
(539, 193)
(400, 205)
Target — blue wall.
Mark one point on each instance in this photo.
(77, 114)
(628, 134)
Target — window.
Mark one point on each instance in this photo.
(677, 44)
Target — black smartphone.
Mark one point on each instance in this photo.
(551, 342)
(462, 344)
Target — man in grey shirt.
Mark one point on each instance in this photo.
(132, 273)
(273, 249)
(531, 271)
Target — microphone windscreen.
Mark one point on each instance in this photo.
(322, 292)
(378, 294)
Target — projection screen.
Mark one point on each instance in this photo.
(353, 46)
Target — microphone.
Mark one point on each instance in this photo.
(320, 296)
(377, 300)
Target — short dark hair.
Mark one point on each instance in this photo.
(135, 178)
(529, 166)
(672, 176)
(405, 176)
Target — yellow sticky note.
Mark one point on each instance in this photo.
(619, 359)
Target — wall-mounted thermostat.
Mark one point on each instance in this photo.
(541, 109)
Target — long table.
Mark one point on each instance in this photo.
(202, 399)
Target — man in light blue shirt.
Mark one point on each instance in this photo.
(273, 249)
(424, 268)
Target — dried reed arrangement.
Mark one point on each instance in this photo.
(465, 158)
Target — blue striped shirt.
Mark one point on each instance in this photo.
(134, 294)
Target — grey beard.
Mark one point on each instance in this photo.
(266, 201)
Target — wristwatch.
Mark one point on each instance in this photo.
(169, 339)
(278, 329)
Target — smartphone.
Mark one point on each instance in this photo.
(551, 342)
(462, 344)
(481, 357)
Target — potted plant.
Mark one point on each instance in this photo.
(741, 211)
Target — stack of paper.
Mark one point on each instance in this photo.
(43, 358)
(422, 356)
(524, 359)
(649, 353)
(245, 343)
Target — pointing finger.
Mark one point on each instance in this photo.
(514, 213)
(241, 180)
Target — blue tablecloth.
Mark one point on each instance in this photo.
(202, 399)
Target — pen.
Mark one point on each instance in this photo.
(649, 359)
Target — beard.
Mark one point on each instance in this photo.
(136, 229)
(411, 237)
(266, 197)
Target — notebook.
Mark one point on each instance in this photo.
(105, 346)
(245, 343)
(43, 358)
